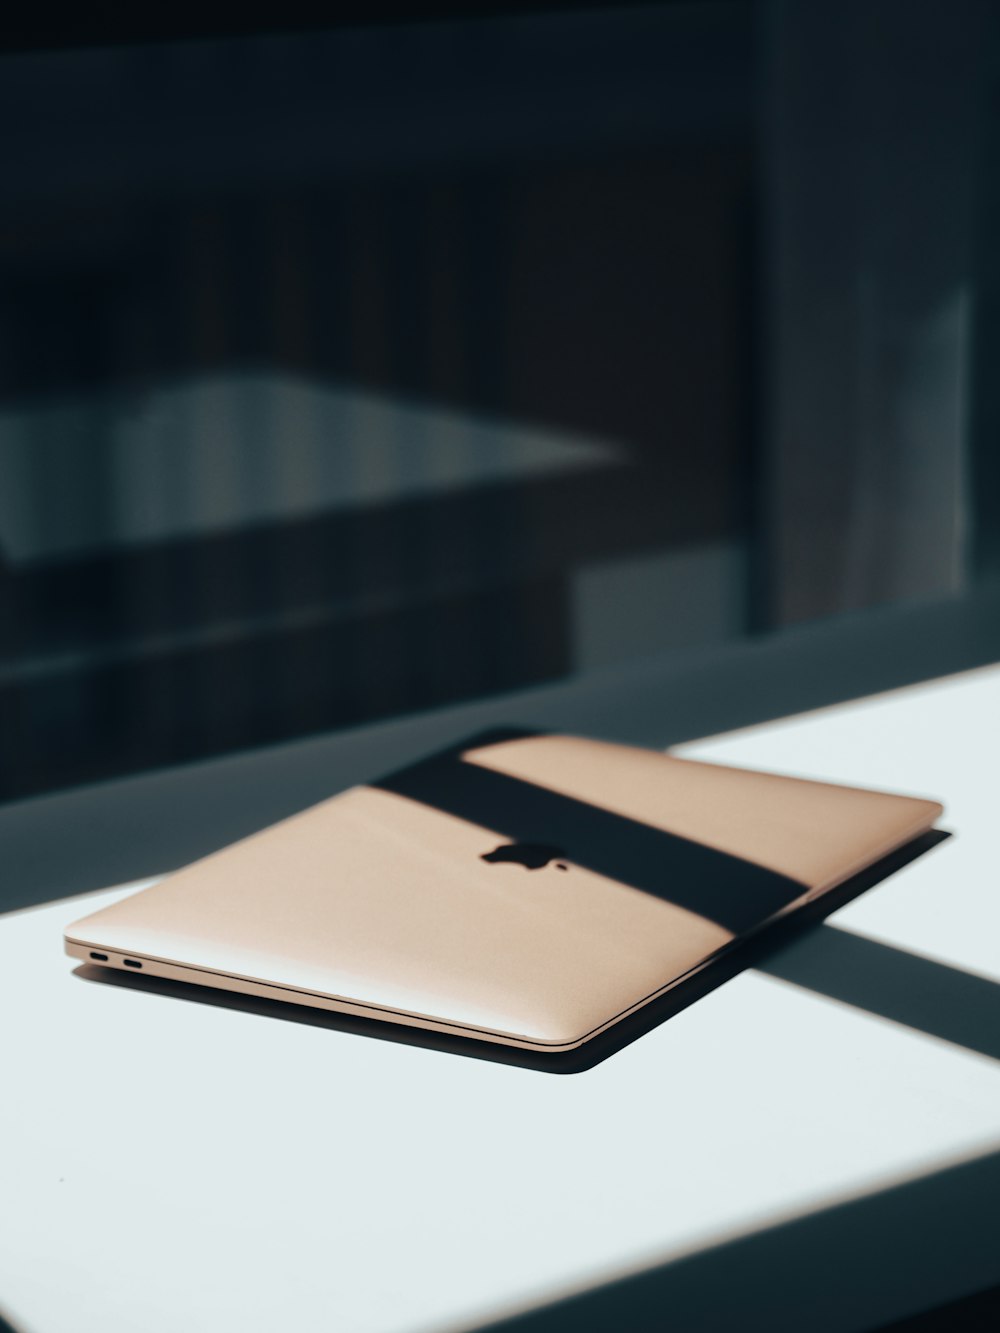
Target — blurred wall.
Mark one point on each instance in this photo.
(872, 125)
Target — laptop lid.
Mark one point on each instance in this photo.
(528, 889)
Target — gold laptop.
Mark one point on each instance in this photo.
(524, 889)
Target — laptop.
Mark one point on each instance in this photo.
(525, 889)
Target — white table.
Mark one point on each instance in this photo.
(771, 1155)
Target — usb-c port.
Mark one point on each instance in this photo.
(101, 957)
(130, 962)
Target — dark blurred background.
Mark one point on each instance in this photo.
(352, 371)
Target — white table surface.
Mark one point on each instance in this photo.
(170, 1165)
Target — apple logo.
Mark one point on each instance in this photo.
(531, 855)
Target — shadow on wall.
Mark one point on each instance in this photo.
(239, 317)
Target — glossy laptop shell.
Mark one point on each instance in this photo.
(530, 890)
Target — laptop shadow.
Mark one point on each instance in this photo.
(761, 950)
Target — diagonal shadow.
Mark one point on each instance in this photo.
(978, 1313)
(727, 889)
(852, 1266)
(931, 997)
